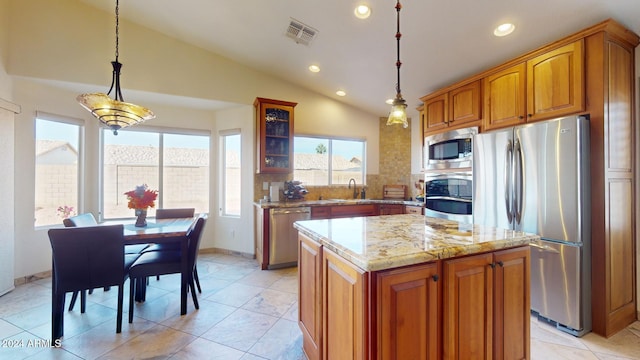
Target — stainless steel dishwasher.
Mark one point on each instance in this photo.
(283, 238)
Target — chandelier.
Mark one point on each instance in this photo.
(114, 113)
(398, 113)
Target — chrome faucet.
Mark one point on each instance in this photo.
(355, 190)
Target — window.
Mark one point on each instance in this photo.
(57, 168)
(230, 174)
(177, 165)
(312, 165)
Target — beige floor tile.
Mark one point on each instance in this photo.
(282, 341)
(23, 298)
(260, 278)
(240, 330)
(547, 351)
(199, 321)
(156, 343)
(287, 284)
(7, 329)
(235, 294)
(292, 313)
(271, 302)
(206, 349)
(625, 344)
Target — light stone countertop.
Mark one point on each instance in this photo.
(383, 242)
(332, 202)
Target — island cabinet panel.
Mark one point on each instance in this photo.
(408, 320)
(504, 97)
(555, 82)
(320, 212)
(468, 308)
(486, 306)
(511, 304)
(344, 308)
(310, 296)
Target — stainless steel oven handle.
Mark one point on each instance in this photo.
(448, 198)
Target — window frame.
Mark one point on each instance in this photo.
(161, 131)
(330, 139)
(222, 134)
(42, 115)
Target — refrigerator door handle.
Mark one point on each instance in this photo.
(518, 182)
(508, 155)
(544, 247)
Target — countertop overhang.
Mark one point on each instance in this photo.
(333, 202)
(383, 242)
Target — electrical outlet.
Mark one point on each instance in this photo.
(265, 185)
(233, 234)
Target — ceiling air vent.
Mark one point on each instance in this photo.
(301, 33)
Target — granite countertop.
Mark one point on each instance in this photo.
(332, 202)
(383, 242)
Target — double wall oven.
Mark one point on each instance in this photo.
(448, 177)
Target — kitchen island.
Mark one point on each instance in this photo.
(412, 287)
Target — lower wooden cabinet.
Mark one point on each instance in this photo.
(474, 307)
(310, 296)
(410, 209)
(408, 313)
(391, 209)
(486, 306)
(344, 308)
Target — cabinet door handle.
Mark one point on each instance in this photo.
(520, 117)
(493, 265)
(500, 263)
(529, 115)
(435, 277)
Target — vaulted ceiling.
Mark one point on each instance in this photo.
(442, 42)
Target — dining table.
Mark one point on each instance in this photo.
(160, 231)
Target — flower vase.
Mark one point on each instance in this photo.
(141, 218)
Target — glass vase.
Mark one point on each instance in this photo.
(141, 217)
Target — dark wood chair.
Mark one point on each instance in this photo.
(86, 258)
(131, 252)
(173, 213)
(167, 262)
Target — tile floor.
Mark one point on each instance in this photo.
(245, 313)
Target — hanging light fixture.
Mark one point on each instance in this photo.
(398, 113)
(114, 113)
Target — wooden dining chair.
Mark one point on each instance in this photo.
(173, 213)
(86, 258)
(131, 252)
(167, 262)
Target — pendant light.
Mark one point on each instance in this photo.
(398, 113)
(114, 113)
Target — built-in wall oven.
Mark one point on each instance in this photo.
(448, 196)
(449, 150)
(448, 179)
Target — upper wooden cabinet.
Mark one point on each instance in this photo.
(274, 136)
(544, 87)
(504, 97)
(454, 108)
(555, 82)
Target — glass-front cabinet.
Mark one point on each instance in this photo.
(274, 141)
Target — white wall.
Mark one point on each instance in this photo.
(637, 122)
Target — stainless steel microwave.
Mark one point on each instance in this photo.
(449, 150)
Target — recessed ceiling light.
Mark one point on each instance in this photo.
(504, 29)
(314, 68)
(341, 93)
(362, 11)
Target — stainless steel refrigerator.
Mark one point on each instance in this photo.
(535, 178)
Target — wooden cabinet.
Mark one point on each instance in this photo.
(391, 209)
(342, 211)
(320, 212)
(274, 136)
(613, 193)
(410, 209)
(546, 86)
(555, 82)
(454, 108)
(408, 313)
(504, 97)
(486, 306)
(310, 296)
(344, 308)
